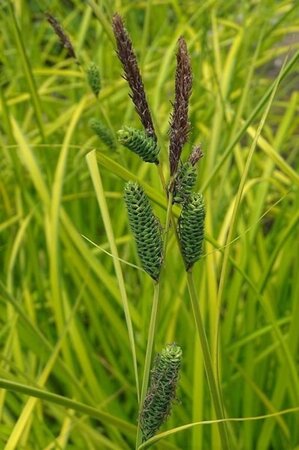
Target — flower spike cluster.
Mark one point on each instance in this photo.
(145, 226)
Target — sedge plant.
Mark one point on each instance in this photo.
(146, 228)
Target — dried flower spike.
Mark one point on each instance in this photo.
(103, 133)
(162, 390)
(195, 155)
(94, 78)
(146, 229)
(140, 143)
(63, 37)
(191, 229)
(128, 59)
(179, 126)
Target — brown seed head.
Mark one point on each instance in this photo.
(195, 155)
(128, 59)
(179, 126)
(64, 39)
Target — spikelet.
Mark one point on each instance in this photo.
(195, 155)
(179, 124)
(132, 74)
(60, 32)
(191, 229)
(140, 143)
(94, 78)
(146, 229)
(162, 390)
(103, 133)
(184, 182)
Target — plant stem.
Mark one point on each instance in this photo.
(213, 385)
(167, 223)
(214, 389)
(162, 178)
(152, 326)
(27, 72)
(100, 195)
(148, 357)
(169, 215)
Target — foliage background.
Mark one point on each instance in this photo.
(62, 323)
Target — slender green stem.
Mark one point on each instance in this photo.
(152, 326)
(169, 216)
(214, 389)
(162, 178)
(98, 12)
(28, 72)
(167, 223)
(100, 194)
(148, 356)
(66, 402)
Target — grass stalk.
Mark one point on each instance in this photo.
(152, 326)
(66, 402)
(214, 389)
(169, 214)
(99, 190)
(148, 356)
(212, 380)
(28, 72)
(98, 12)
(263, 101)
(167, 222)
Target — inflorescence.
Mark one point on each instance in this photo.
(162, 390)
(146, 229)
(145, 226)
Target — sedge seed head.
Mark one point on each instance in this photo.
(162, 390)
(184, 182)
(140, 143)
(191, 229)
(146, 229)
(94, 78)
(103, 133)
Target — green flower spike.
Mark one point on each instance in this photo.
(162, 390)
(146, 229)
(140, 143)
(94, 78)
(184, 182)
(191, 229)
(103, 133)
